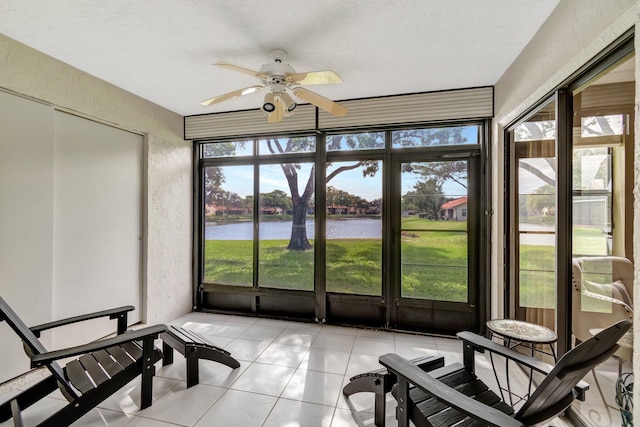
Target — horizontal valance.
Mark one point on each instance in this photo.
(473, 103)
(247, 122)
(458, 104)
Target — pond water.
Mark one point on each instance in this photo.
(357, 228)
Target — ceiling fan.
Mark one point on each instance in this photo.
(282, 80)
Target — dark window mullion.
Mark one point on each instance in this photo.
(564, 217)
(256, 232)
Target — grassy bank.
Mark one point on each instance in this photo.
(433, 263)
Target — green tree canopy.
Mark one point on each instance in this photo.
(275, 199)
(427, 198)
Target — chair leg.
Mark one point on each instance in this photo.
(402, 412)
(17, 415)
(167, 354)
(380, 409)
(148, 370)
(28, 397)
(193, 376)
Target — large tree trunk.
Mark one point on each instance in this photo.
(299, 241)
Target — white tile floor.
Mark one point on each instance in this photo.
(600, 408)
(291, 374)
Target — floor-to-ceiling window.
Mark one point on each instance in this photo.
(369, 227)
(257, 202)
(354, 213)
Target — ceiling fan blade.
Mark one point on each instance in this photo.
(320, 101)
(278, 114)
(315, 78)
(239, 92)
(241, 69)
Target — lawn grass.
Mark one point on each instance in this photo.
(354, 266)
(537, 270)
(434, 264)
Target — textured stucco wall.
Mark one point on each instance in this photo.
(575, 32)
(167, 216)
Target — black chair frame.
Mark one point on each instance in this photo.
(121, 357)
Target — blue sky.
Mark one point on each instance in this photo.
(239, 179)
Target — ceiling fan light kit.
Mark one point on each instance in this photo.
(281, 79)
(269, 104)
(288, 102)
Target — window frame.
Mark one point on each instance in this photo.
(321, 300)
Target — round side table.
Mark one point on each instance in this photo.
(523, 333)
(516, 333)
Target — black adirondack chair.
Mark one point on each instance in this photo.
(110, 363)
(453, 394)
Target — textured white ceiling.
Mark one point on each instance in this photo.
(162, 50)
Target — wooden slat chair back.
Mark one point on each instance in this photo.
(33, 346)
(100, 368)
(454, 395)
(558, 388)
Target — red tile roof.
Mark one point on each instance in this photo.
(454, 203)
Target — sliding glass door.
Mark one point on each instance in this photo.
(435, 236)
(533, 226)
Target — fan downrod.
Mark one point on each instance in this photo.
(278, 55)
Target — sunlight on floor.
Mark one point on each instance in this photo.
(291, 374)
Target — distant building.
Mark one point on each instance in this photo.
(271, 211)
(220, 210)
(455, 210)
(337, 210)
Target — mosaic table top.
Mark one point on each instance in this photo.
(523, 331)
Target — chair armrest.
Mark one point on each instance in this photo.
(606, 298)
(140, 334)
(113, 313)
(411, 373)
(481, 344)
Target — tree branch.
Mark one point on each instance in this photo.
(463, 185)
(292, 179)
(342, 169)
(538, 173)
(280, 149)
(308, 190)
(277, 144)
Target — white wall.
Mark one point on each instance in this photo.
(167, 224)
(26, 219)
(97, 224)
(576, 31)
